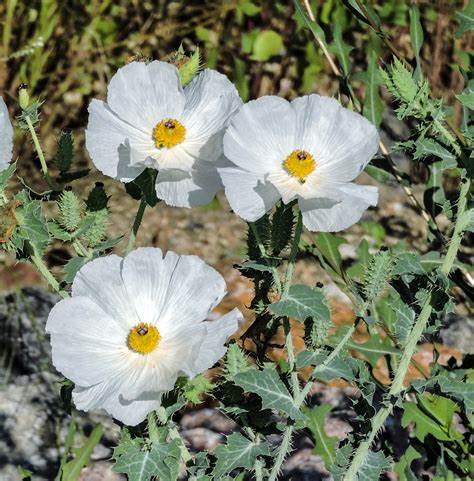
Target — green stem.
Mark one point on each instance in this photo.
(43, 269)
(80, 249)
(288, 433)
(378, 421)
(38, 148)
(263, 253)
(325, 363)
(136, 225)
(282, 452)
(293, 253)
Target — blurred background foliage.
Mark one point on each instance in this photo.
(67, 51)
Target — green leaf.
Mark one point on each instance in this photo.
(143, 463)
(263, 265)
(432, 415)
(341, 49)
(238, 452)
(25, 474)
(235, 361)
(32, 223)
(267, 44)
(328, 245)
(428, 147)
(302, 302)
(196, 387)
(462, 390)
(373, 349)
(466, 19)
(403, 81)
(373, 106)
(268, 385)
(340, 367)
(374, 465)
(324, 445)
(144, 186)
(405, 317)
(72, 266)
(416, 34)
(6, 174)
(72, 469)
(407, 263)
(402, 467)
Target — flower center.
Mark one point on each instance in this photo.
(168, 133)
(143, 338)
(300, 164)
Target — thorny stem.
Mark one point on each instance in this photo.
(43, 269)
(136, 225)
(416, 333)
(288, 433)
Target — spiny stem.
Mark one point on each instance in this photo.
(325, 363)
(288, 433)
(43, 269)
(282, 452)
(38, 148)
(136, 225)
(416, 333)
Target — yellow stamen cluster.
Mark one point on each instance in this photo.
(300, 164)
(143, 338)
(168, 133)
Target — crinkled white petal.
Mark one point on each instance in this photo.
(183, 289)
(180, 188)
(212, 349)
(261, 135)
(341, 141)
(106, 396)
(87, 344)
(100, 280)
(330, 215)
(249, 194)
(118, 149)
(6, 136)
(144, 94)
(211, 100)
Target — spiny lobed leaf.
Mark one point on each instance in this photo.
(302, 302)
(238, 452)
(267, 384)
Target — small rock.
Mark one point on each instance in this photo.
(202, 438)
(100, 471)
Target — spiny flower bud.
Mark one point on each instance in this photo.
(71, 209)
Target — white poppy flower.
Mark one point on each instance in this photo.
(133, 325)
(309, 149)
(149, 120)
(6, 136)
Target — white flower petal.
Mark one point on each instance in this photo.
(249, 195)
(87, 344)
(342, 142)
(212, 349)
(261, 135)
(102, 396)
(143, 94)
(330, 215)
(211, 99)
(6, 136)
(115, 146)
(100, 280)
(194, 289)
(188, 189)
(171, 292)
